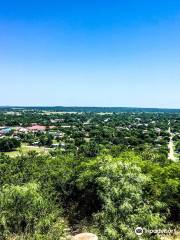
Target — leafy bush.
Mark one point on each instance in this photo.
(9, 144)
(119, 185)
(23, 210)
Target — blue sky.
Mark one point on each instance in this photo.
(90, 53)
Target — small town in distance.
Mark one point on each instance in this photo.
(42, 129)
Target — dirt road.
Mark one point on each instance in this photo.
(171, 154)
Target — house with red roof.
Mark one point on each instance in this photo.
(37, 128)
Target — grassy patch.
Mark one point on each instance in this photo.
(25, 149)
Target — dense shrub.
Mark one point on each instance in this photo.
(8, 144)
(24, 210)
(120, 187)
(110, 194)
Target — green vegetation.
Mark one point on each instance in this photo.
(108, 174)
(107, 195)
(9, 144)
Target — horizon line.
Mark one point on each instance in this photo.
(80, 106)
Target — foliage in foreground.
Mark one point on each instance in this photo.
(108, 195)
(25, 210)
(120, 186)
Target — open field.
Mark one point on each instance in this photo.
(25, 149)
